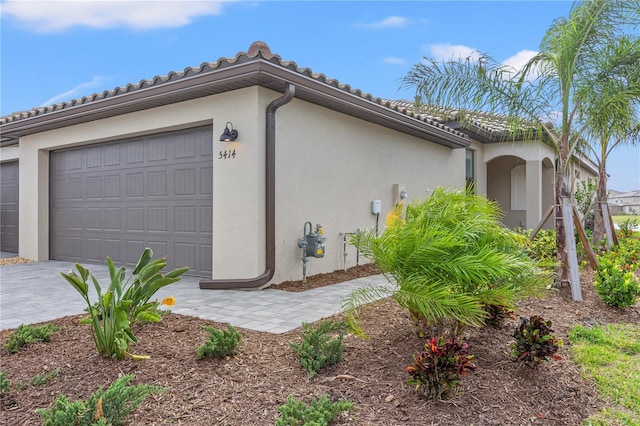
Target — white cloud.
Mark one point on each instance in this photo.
(81, 89)
(389, 22)
(57, 15)
(392, 60)
(519, 60)
(446, 51)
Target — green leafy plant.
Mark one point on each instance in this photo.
(320, 412)
(26, 334)
(5, 384)
(44, 378)
(320, 345)
(535, 342)
(543, 247)
(220, 343)
(124, 302)
(437, 369)
(447, 258)
(614, 281)
(104, 407)
(627, 226)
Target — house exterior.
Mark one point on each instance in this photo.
(143, 166)
(624, 202)
(519, 174)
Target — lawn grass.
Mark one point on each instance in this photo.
(610, 355)
(617, 219)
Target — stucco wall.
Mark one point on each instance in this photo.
(9, 153)
(329, 168)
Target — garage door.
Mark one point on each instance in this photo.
(9, 207)
(114, 199)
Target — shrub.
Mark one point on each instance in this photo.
(448, 258)
(438, 368)
(496, 314)
(220, 343)
(104, 407)
(26, 334)
(43, 378)
(535, 342)
(5, 385)
(320, 412)
(627, 226)
(319, 346)
(125, 302)
(543, 247)
(614, 282)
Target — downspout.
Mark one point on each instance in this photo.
(270, 205)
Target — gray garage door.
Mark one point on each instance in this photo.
(114, 199)
(9, 207)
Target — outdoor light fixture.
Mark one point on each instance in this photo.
(229, 134)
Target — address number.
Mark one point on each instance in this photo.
(227, 154)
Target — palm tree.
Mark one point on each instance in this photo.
(571, 58)
(612, 115)
(447, 259)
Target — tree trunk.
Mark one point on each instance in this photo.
(601, 197)
(561, 190)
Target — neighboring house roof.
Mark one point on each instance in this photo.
(258, 66)
(630, 194)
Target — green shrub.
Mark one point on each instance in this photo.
(320, 412)
(543, 246)
(5, 385)
(535, 342)
(627, 226)
(44, 378)
(320, 346)
(446, 259)
(26, 334)
(124, 302)
(438, 368)
(104, 407)
(220, 343)
(615, 283)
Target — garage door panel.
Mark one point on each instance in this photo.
(149, 192)
(9, 203)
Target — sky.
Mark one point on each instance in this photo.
(54, 51)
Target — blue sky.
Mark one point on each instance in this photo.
(53, 51)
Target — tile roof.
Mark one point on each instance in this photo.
(223, 75)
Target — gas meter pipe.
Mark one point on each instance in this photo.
(270, 201)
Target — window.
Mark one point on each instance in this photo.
(470, 171)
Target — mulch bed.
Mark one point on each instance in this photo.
(247, 389)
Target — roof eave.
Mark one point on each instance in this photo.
(243, 73)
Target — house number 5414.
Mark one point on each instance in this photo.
(227, 154)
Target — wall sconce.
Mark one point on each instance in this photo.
(229, 134)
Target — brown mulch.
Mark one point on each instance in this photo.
(13, 260)
(321, 280)
(247, 389)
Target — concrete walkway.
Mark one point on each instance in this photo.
(35, 292)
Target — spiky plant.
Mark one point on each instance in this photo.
(447, 258)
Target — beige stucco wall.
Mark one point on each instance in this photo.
(329, 168)
(9, 153)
